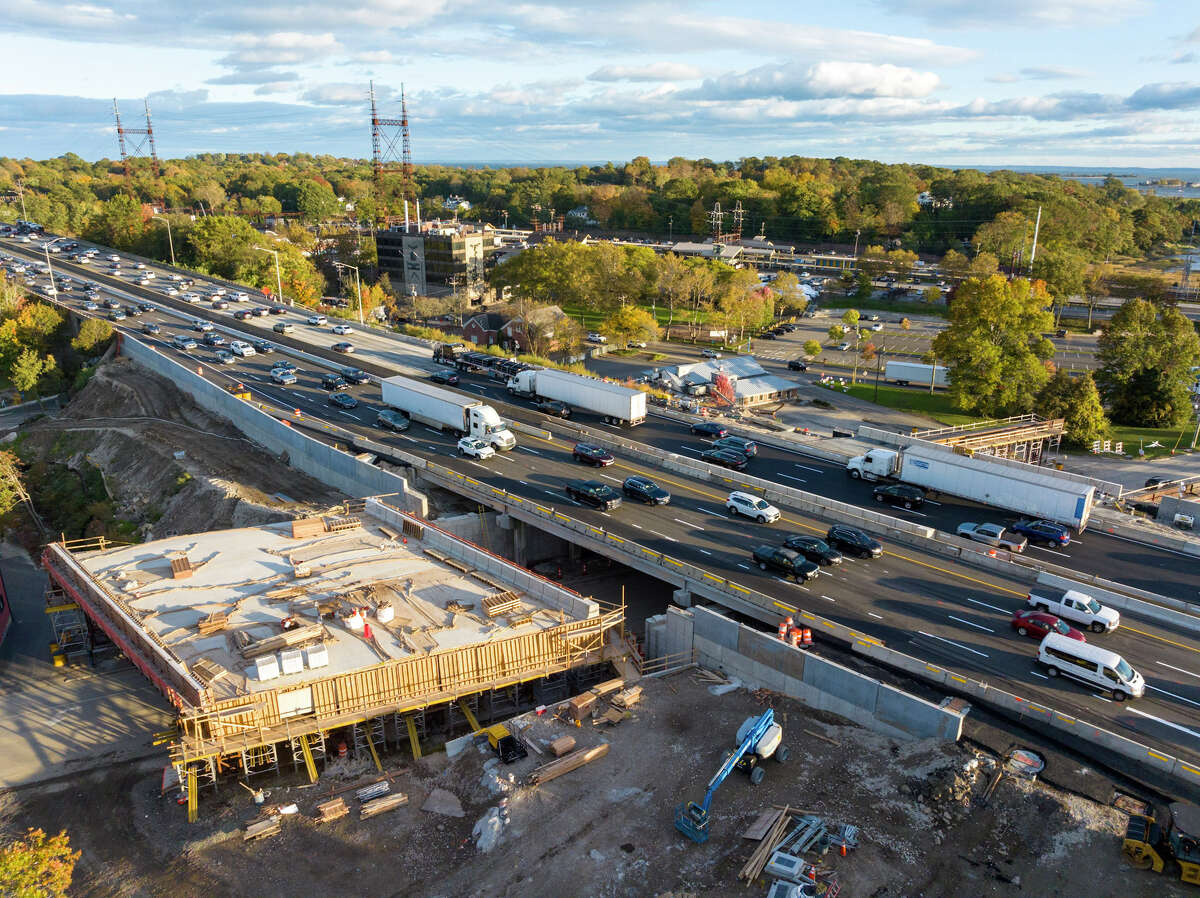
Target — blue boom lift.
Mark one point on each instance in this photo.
(758, 739)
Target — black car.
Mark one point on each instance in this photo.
(594, 493)
(709, 429)
(260, 312)
(356, 376)
(263, 347)
(212, 339)
(814, 549)
(284, 365)
(646, 490)
(786, 561)
(592, 455)
(444, 377)
(343, 400)
(132, 311)
(111, 304)
(724, 458)
(333, 382)
(242, 314)
(145, 307)
(553, 407)
(1154, 481)
(788, 328)
(797, 365)
(853, 541)
(767, 335)
(151, 328)
(278, 310)
(746, 447)
(900, 494)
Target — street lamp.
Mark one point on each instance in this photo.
(170, 240)
(357, 284)
(278, 280)
(49, 270)
(878, 365)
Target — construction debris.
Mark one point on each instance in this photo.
(261, 829)
(382, 805)
(562, 745)
(762, 854)
(372, 791)
(627, 698)
(761, 825)
(567, 763)
(332, 810)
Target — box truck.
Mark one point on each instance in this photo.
(916, 373)
(447, 410)
(613, 402)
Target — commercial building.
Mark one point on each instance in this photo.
(434, 257)
(739, 381)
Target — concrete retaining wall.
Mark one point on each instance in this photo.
(1181, 619)
(332, 466)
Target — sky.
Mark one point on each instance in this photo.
(949, 82)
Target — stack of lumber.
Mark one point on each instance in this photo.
(207, 671)
(260, 829)
(567, 763)
(627, 698)
(377, 788)
(562, 745)
(214, 623)
(775, 832)
(306, 528)
(501, 603)
(382, 805)
(284, 640)
(332, 810)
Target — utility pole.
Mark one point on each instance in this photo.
(358, 285)
(671, 230)
(856, 233)
(21, 194)
(49, 270)
(170, 240)
(1033, 252)
(278, 279)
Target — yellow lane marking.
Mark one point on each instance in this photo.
(1179, 645)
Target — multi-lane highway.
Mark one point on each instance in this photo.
(914, 601)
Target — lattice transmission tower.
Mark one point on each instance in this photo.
(391, 151)
(131, 149)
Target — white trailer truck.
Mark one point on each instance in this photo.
(447, 410)
(1012, 486)
(616, 404)
(916, 373)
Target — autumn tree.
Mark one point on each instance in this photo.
(628, 324)
(37, 866)
(955, 264)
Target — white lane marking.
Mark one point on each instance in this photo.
(797, 585)
(1173, 695)
(613, 479)
(953, 643)
(873, 614)
(687, 523)
(403, 437)
(431, 448)
(430, 429)
(790, 477)
(919, 514)
(663, 535)
(807, 468)
(1173, 726)
(1102, 698)
(606, 514)
(477, 464)
(639, 526)
(1051, 551)
(348, 415)
(984, 604)
(969, 624)
(550, 492)
(1180, 669)
(715, 514)
(690, 449)
(294, 393)
(743, 567)
(527, 449)
(932, 502)
(523, 483)
(827, 599)
(1036, 674)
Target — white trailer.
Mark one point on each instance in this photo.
(447, 410)
(1012, 486)
(616, 404)
(916, 373)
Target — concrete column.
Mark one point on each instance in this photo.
(519, 553)
(682, 597)
(574, 552)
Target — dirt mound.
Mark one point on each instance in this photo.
(169, 466)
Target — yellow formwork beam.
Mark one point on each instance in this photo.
(462, 706)
(374, 753)
(193, 796)
(413, 740)
(309, 764)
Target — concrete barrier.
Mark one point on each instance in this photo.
(1126, 603)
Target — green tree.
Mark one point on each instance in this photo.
(316, 202)
(994, 346)
(27, 369)
(1077, 400)
(119, 223)
(850, 318)
(37, 866)
(983, 265)
(1146, 355)
(837, 333)
(932, 295)
(812, 348)
(93, 332)
(629, 323)
(792, 300)
(955, 264)
(863, 289)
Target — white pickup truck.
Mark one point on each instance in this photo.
(1074, 606)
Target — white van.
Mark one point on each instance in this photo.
(752, 506)
(1091, 665)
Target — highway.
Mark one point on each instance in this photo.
(916, 602)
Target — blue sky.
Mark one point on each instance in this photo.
(1064, 82)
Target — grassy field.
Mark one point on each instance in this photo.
(883, 305)
(935, 405)
(1179, 439)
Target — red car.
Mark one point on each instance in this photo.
(1036, 624)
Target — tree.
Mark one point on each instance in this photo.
(869, 351)
(905, 324)
(1062, 269)
(93, 332)
(994, 346)
(864, 289)
(37, 866)
(27, 369)
(628, 324)
(836, 333)
(850, 318)
(792, 300)
(932, 295)
(812, 348)
(983, 265)
(315, 202)
(1077, 400)
(1146, 355)
(955, 264)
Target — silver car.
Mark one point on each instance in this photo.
(993, 535)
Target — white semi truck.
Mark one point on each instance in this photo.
(1021, 488)
(916, 373)
(447, 410)
(615, 403)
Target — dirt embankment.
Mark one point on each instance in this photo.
(168, 465)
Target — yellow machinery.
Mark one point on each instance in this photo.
(238, 390)
(1174, 848)
(506, 746)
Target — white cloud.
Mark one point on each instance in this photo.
(1052, 73)
(340, 94)
(971, 13)
(823, 80)
(255, 76)
(1177, 95)
(655, 71)
(280, 48)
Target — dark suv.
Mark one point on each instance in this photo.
(853, 541)
(333, 382)
(748, 448)
(786, 561)
(593, 492)
(592, 455)
(646, 490)
(813, 548)
(900, 494)
(709, 429)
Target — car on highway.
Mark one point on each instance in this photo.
(278, 310)
(333, 382)
(283, 376)
(588, 454)
(225, 357)
(140, 266)
(242, 349)
(316, 320)
(752, 506)
(355, 376)
(813, 548)
(116, 315)
(877, 326)
(342, 329)
(111, 304)
(555, 407)
(746, 447)
(900, 494)
(853, 541)
(1040, 531)
(343, 400)
(240, 297)
(282, 327)
(594, 337)
(645, 490)
(150, 329)
(145, 306)
(201, 326)
(284, 365)
(220, 304)
(636, 344)
(1036, 624)
(342, 347)
(797, 365)
(709, 354)
(91, 306)
(132, 311)
(393, 420)
(844, 347)
(593, 492)
(725, 458)
(263, 347)
(787, 561)
(449, 378)
(709, 429)
(474, 447)
(213, 339)
(992, 535)
(192, 297)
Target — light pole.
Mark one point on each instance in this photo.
(49, 270)
(357, 284)
(878, 365)
(856, 233)
(278, 280)
(170, 240)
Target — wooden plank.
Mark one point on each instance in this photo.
(562, 745)
(608, 686)
(627, 698)
(580, 706)
(761, 825)
(304, 528)
(382, 805)
(566, 764)
(261, 829)
(332, 810)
